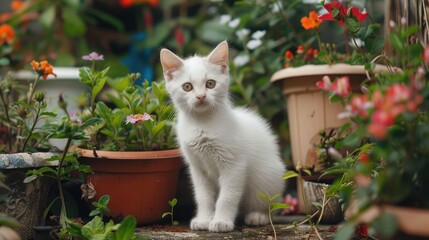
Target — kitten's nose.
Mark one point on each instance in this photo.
(201, 97)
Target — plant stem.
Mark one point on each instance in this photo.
(271, 221)
(33, 89)
(63, 214)
(36, 119)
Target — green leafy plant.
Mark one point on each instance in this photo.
(273, 206)
(172, 204)
(70, 129)
(140, 120)
(100, 206)
(391, 133)
(97, 229)
(21, 117)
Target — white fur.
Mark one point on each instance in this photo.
(231, 152)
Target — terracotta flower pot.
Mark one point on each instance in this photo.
(138, 183)
(309, 109)
(411, 221)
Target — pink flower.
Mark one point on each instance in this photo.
(359, 106)
(385, 118)
(93, 57)
(293, 204)
(378, 131)
(341, 86)
(398, 93)
(133, 118)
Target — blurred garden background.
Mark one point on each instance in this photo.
(130, 34)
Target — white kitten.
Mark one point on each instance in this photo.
(231, 152)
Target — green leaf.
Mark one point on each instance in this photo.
(308, 172)
(396, 42)
(166, 214)
(290, 174)
(126, 228)
(85, 75)
(275, 206)
(175, 223)
(47, 17)
(104, 200)
(274, 197)
(345, 232)
(213, 31)
(73, 23)
(158, 35)
(110, 19)
(173, 202)
(100, 82)
(30, 178)
(386, 224)
(158, 127)
(265, 197)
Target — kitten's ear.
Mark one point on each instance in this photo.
(170, 62)
(220, 55)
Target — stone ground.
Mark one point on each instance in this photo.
(284, 229)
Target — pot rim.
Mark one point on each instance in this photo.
(128, 154)
(322, 69)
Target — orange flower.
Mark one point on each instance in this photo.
(43, 68)
(7, 34)
(16, 4)
(312, 21)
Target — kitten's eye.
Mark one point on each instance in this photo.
(210, 83)
(187, 87)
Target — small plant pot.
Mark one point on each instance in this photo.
(314, 192)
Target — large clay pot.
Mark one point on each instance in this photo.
(309, 109)
(138, 183)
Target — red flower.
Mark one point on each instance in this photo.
(362, 229)
(300, 49)
(180, 38)
(354, 12)
(340, 16)
(289, 55)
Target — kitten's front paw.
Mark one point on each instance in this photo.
(199, 224)
(221, 226)
(256, 219)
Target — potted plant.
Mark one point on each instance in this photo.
(309, 110)
(386, 180)
(132, 152)
(23, 147)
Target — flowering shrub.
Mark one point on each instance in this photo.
(20, 118)
(391, 132)
(363, 38)
(140, 120)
